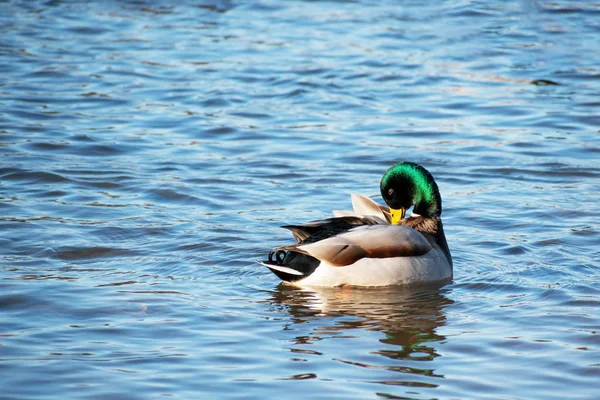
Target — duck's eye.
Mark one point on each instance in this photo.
(390, 192)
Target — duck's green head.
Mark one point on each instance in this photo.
(408, 184)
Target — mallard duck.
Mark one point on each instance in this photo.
(374, 245)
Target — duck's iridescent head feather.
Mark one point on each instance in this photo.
(408, 184)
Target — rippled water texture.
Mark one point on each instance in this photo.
(150, 150)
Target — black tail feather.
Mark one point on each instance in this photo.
(302, 264)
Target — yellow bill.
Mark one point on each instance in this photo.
(397, 215)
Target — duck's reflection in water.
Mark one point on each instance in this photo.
(407, 318)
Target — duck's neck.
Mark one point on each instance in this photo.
(428, 205)
(432, 228)
(425, 193)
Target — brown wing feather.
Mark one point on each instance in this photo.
(299, 233)
(375, 241)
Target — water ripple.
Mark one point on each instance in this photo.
(149, 152)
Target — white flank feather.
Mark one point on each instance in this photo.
(430, 267)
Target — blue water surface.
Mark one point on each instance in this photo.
(150, 150)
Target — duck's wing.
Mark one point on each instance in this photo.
(365, 206)
(322, 229)
(373, 241)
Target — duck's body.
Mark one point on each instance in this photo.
(373, 245)
(429, 267)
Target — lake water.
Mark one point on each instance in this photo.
(150, 150)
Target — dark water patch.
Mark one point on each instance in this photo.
(585, 231)
(587, 9)
(88, 30)
(84, 138)
(118, 283)
(544, 82)
(251, 115)
(294, 93)
(10, 301)
(579, 75)
(87, 253)
(46, 74)
(515, 250)
(311, 71)
(48, 146)
(215, 102)
(172, 196)
(53, 194)
(102, 150)
(35, 177)
(526, 145)
(218, 131)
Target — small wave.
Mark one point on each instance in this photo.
(38, 177)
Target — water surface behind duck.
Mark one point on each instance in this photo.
(150, 150)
